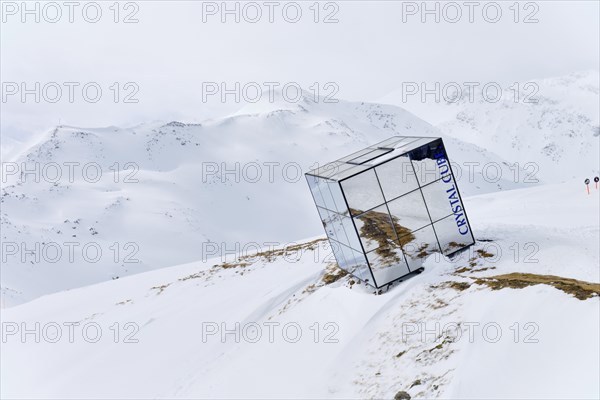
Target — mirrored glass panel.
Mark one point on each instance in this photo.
(357, 264)
(442, 198)
(418, 246)
(396, 177)
(369, 156)
(328, 223)
(356, 154)
(351, 233)
(407, 144)
(327, 169)
(335, 229)
(362, 192)
(390, 142)
(418, 142)
(453, 233)
(324, 214)
(338, 252)
(375, 228)
(409, 212)
(338, 197)
(399, 148)
(348, 173)
(326, 194)
(426, 171)
(338, 227)
(341, 169)
(379, 210)
(387, 263)
(429, 162)
(313, 184)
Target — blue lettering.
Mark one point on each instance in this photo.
(452, 191)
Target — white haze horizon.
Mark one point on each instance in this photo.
(170, 65)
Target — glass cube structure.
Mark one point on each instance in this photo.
(387, 207)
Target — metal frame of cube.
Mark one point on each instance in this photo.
(387, 207)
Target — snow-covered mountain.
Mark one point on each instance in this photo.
(516, 317)
(549, 126)
(160, 205)
(129, 200)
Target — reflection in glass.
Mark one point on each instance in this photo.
(328, 223)
(387, 263)
(349, 172)
(338, 197)
(313, 184)
(338, 226)
(453, 233)
(430, 162)
(351, 234)
(379, 214)
(391, 141)
(356, 264)
(426, 170)
(329, 169)
(373, 154)
(356, 154)
(362, 192)
(396, 177)
(418, 246)
(337, 250)
(409, 212)
(408, 144)
(323, 185)
(324, 214)
(375, 228)
(442, 198)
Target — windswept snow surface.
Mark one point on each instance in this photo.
(147, 197)
(341, 339)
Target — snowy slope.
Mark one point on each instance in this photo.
(552, 123)
(366, 351)
(164, 189)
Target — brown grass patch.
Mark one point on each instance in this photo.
(332, 276)
(483, 269)
(460, 286)
(484, 254)
(227, 265)
(271, 255)
(463, 270)
(579, 289)
(247, 260)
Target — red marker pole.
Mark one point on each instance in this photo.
(587, 182)
(596, 179)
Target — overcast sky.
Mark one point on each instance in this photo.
(177, 45)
